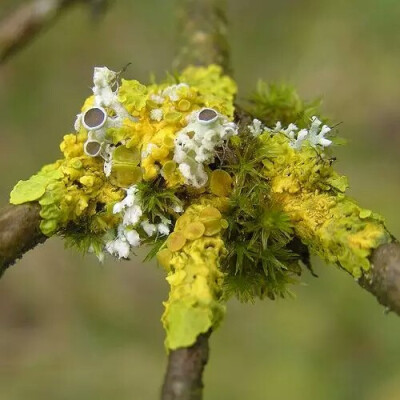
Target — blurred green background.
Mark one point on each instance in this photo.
(73, 329)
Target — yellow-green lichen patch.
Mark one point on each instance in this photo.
(307, 188)
(220, 183)
(211, 218)
(164, 257)
(218, 90)
(34, 188)
(133, 95)
(194, 304)
(70, 190)
(124, 175)
(194, 230)
(176, 241)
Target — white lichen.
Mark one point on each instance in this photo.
(161, 228)
(132, 215)
(122, 245)
(196, 145)
(156, 98)
(177, 208)
(132, 237)
(127, 237)
(173, 91)
(256, 128)
(315, 135)
(156, 114)
(149, 228)
(147, 151)
(129, 200)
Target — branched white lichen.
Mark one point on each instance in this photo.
(156, 114)
(131, 212)
(127, 237)
(162, 228)
(256, 128)
(121, 246)
(315, 135)
(196, 144)
(173, 91)
(105, 92)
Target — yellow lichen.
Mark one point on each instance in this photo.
(311, 193)
(194, 230)
(176, 241)
(220, 183)
(164, 258)
(194, 304)
(211, 219)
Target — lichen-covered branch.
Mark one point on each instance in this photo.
(192, 258)
(183, 379)
(202, 41)
(236, 192)
(24, 23)
(203, 34)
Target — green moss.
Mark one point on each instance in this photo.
(271, 103)
(260, 262)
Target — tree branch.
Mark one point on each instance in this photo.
(202, 34)
(19, 225)
(183, 379)
(19, 232)
(23, 25)
(202, 41)
(383, 281)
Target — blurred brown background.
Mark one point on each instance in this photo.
(73, 329)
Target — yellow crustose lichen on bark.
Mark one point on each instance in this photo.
(192, 258)
(307, 188)
(138, 145)
(142, 155)
(70, 189)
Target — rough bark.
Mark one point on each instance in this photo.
(24, 23)
(183, 379)
(383, 281)
(203, 34)
(19, 232)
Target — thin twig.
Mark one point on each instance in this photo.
(19, 232)
(183, 379)
(202, 36)
(23, 24)
(383, 281)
